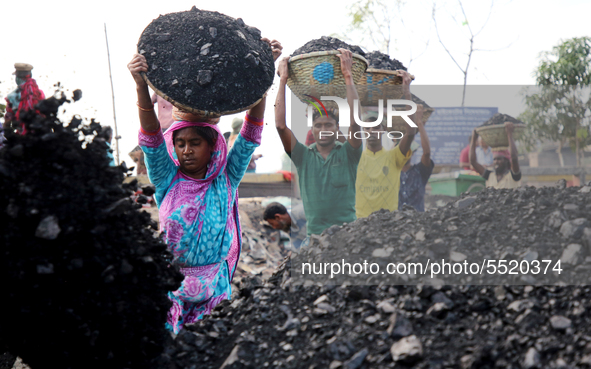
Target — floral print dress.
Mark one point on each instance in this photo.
(199, 217)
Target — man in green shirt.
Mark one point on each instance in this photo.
(326, 169)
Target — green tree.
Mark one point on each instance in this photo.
(559, 109)
(372, 19)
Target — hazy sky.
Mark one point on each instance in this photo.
(65, 41)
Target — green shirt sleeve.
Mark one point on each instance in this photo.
(353, 154)
(297, 154)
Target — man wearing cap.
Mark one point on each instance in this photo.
(24, 97)
(414, 178)
(506, 165)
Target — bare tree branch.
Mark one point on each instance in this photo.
(441, 42)
(487, 18)
(466, 18)
(385, 37)
(374, 20)
(471, 48)
(418, 56)
(466, 70)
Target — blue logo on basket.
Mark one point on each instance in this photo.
(324, 73)
(371, 82)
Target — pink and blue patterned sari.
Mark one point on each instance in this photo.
(199, 217)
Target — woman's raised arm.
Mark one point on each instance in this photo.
(148, 118)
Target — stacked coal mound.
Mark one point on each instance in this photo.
(207, 60)
(378, 60)
(500, 118)
(281, 324)
(526, 224)
(84, 279)
(326, 43)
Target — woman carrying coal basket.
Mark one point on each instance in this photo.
(196, 181)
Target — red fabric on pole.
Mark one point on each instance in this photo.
(30, 96)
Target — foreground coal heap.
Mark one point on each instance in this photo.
(279, 324)
(84, 280)
(327, 43)
(378, 60)
(207, 60)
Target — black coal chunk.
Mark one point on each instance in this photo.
(289, 324)
(199, 59)
(500, 119)
(326, 43)
(378, 60)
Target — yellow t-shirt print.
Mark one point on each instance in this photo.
(378, 180)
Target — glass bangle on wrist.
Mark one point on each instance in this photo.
(143, 109)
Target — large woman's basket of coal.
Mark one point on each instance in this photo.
(496, 136)
(206, 63)
(319, 74)
(379, 84)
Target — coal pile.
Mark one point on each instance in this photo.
(327, 43)
(207, 60)
(525, 224)
(281, 324)
(500, 119)
(84, 278)
(6, 359)
(378, 60)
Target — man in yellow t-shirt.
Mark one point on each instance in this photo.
(378, 172)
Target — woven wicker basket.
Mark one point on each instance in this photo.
(427, 114)
(204, 113)
(496, 136)
(379, 84)
(319, 74)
